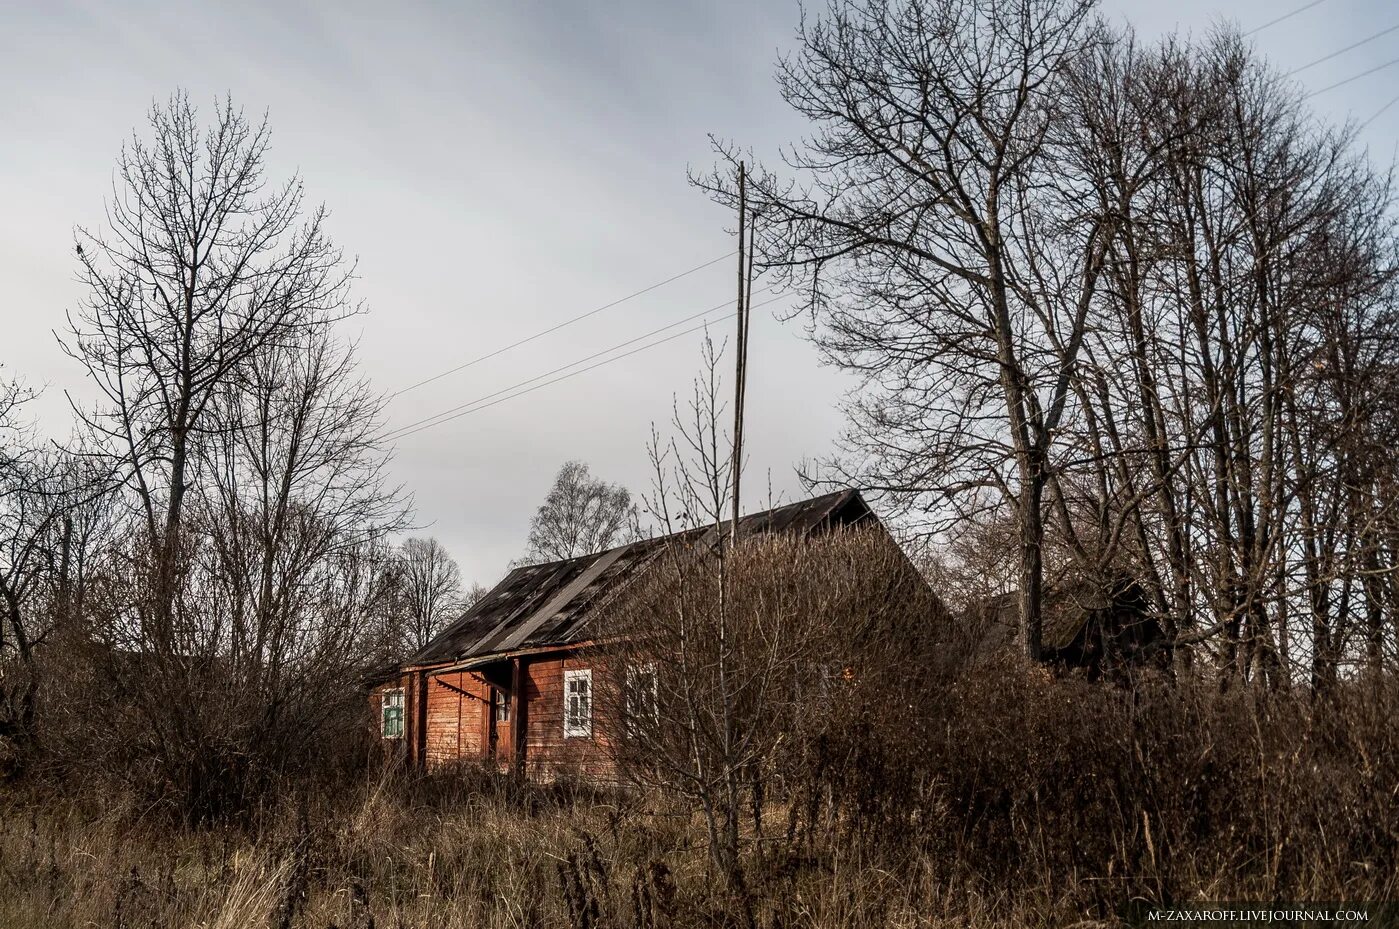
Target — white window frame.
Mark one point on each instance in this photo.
(580, 727)
(634, 707)
(401, 704)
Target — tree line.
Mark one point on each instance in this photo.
(1121, 311)
(195, 583)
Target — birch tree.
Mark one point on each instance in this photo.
(580, 515)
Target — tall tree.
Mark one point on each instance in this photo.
(203, 265)
(932, 230)
(581, 514)
(1225, 452)
(247, 592)
(1134, 302)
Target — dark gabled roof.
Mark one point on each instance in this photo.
(1066, 609)
(544, 605)
(1061, 620)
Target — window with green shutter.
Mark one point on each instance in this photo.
(392, 727)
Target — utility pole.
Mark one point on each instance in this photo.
(745, 289)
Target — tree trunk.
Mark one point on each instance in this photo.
(1032, 560)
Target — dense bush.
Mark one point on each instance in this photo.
(1092, 794)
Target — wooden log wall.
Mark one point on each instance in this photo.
(547, 752)
(448, 724)
(456, 718)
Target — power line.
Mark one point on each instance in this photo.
(1380, 112)
(1354, 77)
(474, 407)
(552, 329)
(1274, 22)
(478, 404)
(605, 351)
(1342, 51)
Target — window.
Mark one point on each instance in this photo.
(578, 704)
(641, 703)
(392, 724)
(501, 701)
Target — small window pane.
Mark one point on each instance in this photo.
(577, 709)
(641, 696)
(391, 723)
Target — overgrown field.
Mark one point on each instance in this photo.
(1026, 801)
(472, 855)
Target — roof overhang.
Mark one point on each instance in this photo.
(480, 661)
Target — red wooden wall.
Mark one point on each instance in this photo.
(442, 725)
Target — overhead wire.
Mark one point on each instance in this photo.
(477, 405)
(1333, 55)
(1336, 54)
(1285, 16)
(557, 327)
(1342, 51)
(1380, 112)
(631, 341)
(1353, 77)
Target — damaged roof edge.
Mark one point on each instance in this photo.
(547, 605)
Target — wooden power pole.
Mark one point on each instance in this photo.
(745, 289)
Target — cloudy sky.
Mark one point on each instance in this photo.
(498, 168)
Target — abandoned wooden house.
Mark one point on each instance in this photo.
(512, 682)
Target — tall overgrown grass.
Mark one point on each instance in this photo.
(1021, 798)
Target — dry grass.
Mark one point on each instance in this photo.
(1021, 800)
(480, 855)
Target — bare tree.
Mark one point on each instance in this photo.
(26, 517)
(1135, 302)
(581, 514)
(54, 513)
(430, 588)
(727, 656)
(283, 595)
(693, 615)
(203, 266)
(1230, 385)
(475, 592)
(233, 621)
(932, 231)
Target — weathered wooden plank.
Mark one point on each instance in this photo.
(455, 714)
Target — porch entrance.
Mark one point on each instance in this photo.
(500, 713)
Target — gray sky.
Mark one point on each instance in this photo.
(498, 168)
